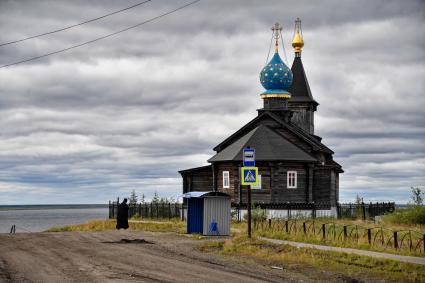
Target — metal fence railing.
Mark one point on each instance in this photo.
(149, 210)
(364, 210)
(343, 210)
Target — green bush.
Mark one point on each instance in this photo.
(257, 214)
(411, 215)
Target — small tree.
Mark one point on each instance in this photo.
(142, 199)
(133, 198)
(417, 196)
(155, 198)
(359, 202)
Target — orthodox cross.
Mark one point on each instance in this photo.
(277, 28)
(298, 26)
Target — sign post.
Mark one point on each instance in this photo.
(249, 176)
(249, 211)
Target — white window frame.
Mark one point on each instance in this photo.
(291, 180)
(226, 180)
(258, 187)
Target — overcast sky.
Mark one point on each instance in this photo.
(129, 111)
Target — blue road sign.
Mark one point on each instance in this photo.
(249, 176)
(248, 157)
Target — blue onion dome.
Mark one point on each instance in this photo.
(276, 78)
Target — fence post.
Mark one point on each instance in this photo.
(369, 236)
(363, 211)
(304, 228)
(338, 211)
(382, 237)
(270, 223)
(423, 241)
(287, 228)
(109, 209)
(169, 210)
(395, 240)
(324, 231)
(371, 210)
(345, 232)
(289, 211)
(351, 212)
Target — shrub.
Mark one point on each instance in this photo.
(257, 214)
(411, 215)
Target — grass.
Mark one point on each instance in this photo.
(145, 225)
(321, 262)
(335, 235)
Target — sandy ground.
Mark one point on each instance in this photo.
(123, 256)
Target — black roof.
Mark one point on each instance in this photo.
(300, 89)
(196, 169)
(310, 139)
(268, 144)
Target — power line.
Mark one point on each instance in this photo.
(103, 37)
(76, 25)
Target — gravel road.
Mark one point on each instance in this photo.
(123, 256)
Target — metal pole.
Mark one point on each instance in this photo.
(249, 211)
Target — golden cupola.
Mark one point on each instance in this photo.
(298, 41)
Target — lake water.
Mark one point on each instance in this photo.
(37, 220)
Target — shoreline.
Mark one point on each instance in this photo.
(50, 206)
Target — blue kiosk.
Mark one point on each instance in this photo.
(208, 213)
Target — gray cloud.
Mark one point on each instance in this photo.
(128, 112)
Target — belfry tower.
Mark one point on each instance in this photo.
(301, 102)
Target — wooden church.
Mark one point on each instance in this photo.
(294, 165)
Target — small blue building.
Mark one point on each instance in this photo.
(208, 213)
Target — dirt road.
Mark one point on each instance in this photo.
(118, 256)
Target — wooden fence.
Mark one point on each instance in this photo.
(376, 236)
(149, 210)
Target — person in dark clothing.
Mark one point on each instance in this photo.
(122, 215)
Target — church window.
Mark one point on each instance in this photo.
(226, 180)
(291, 180)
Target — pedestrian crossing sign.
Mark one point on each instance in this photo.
(249, 176)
